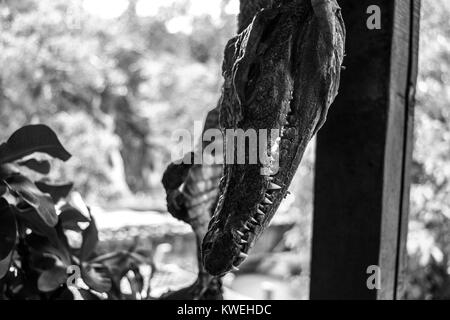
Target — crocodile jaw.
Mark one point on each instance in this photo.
(293, 96)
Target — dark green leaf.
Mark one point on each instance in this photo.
(96, 276)
(42, 262)
(7, 170)
(8, 229)
(57, 192)
(74, 212)
(30, 139)
(52, 279)
(136, 281)
(42, 246)
(40, 166)
(90, 240)
(28, 192)
(70, 217)
(30, 218)
(5, 265)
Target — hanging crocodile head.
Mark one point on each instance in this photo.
(282, 73)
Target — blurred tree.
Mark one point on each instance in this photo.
(132, 78)
(429, 237)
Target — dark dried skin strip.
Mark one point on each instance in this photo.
(282, 72)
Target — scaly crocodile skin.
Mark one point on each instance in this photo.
(192, 193)
(282, 72)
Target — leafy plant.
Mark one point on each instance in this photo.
(47, 233)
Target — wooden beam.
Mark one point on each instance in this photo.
(363, 157)
(409, 144)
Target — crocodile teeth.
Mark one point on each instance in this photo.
(273, 186)
(254, 220)
(246, 228)
(260, 212)
(243, 255)
(240, 233)
(267, 201)
(243, 241)
(235, 268)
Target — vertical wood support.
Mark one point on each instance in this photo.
(363, 157)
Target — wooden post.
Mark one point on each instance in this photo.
(363, 157)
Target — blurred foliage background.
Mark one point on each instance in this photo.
(429, 232)
(115, 78)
